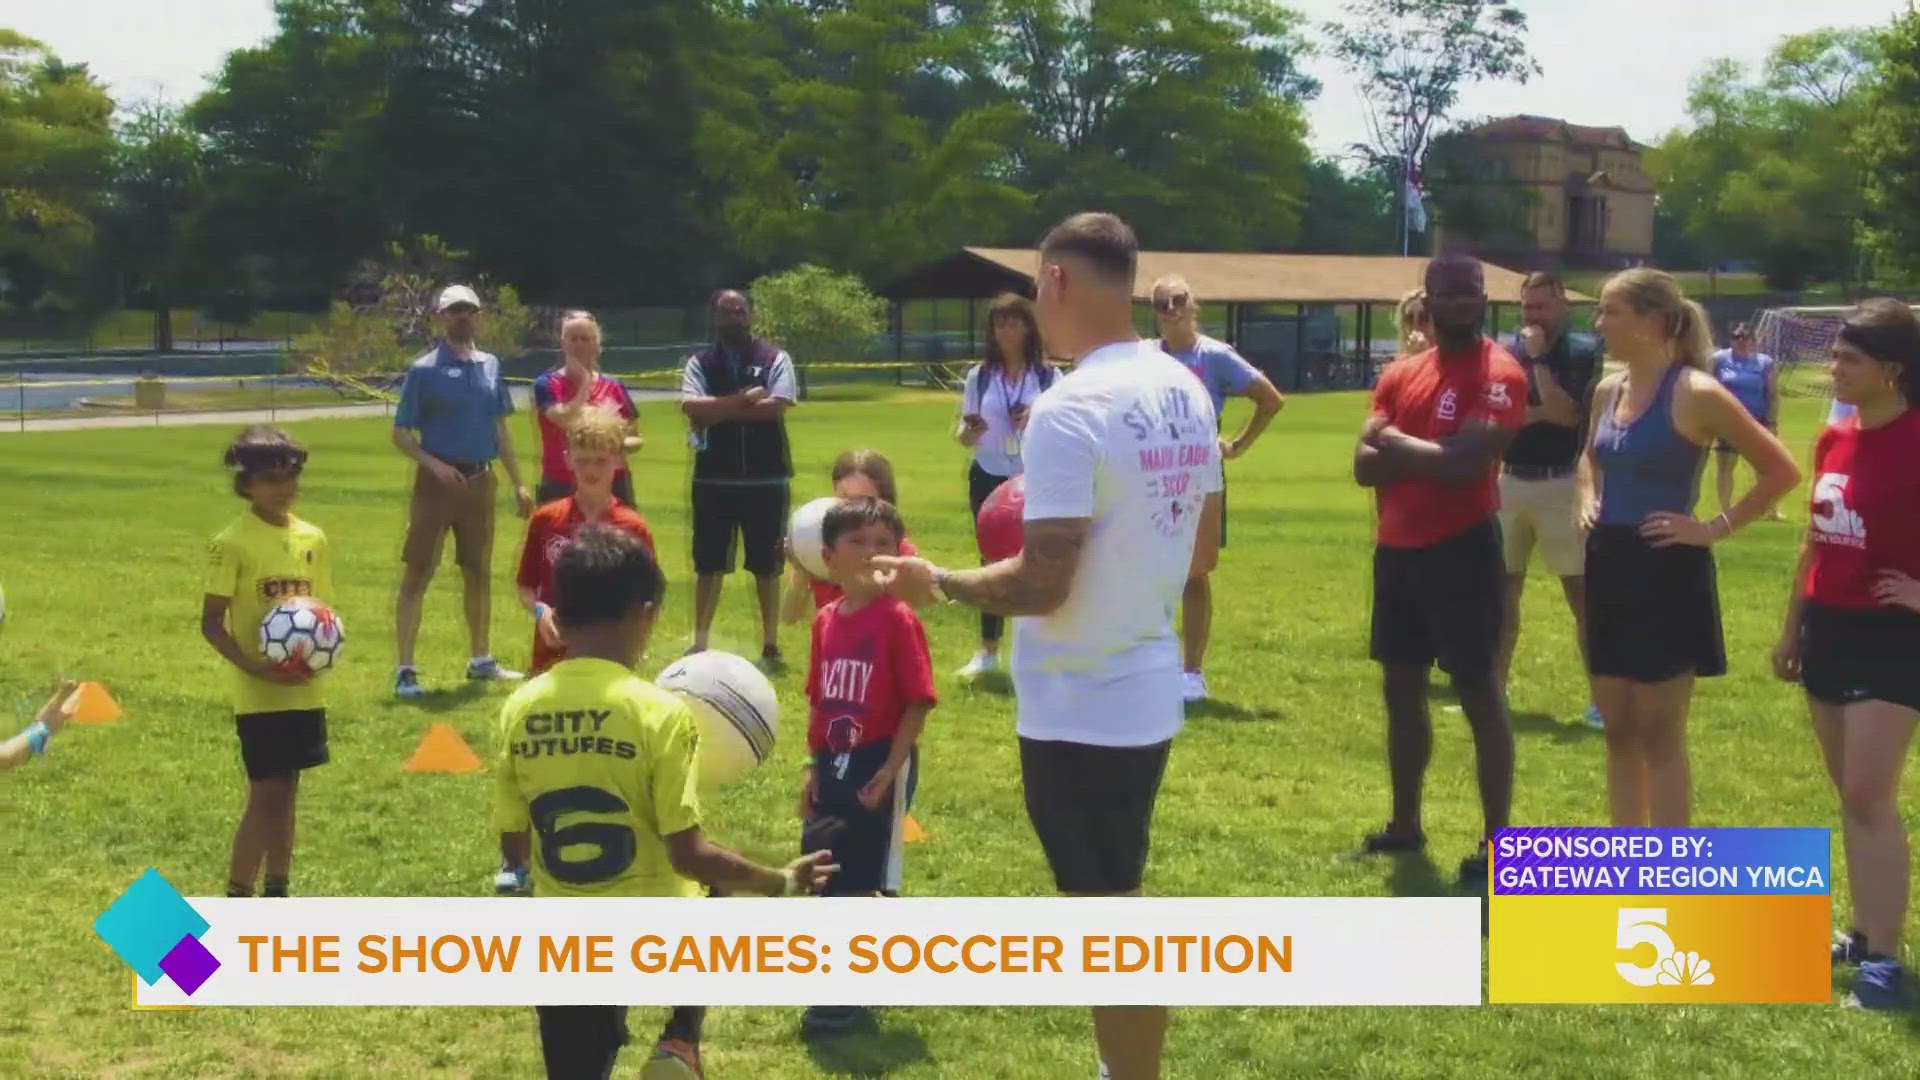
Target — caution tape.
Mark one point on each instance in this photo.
(12, 382)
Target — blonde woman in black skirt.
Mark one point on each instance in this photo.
(1653, 621)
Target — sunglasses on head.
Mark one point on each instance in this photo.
(1170, 304)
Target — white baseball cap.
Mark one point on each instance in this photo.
(456, 294)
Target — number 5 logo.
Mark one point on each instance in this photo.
(1643, 926)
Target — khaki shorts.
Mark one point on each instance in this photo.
(467, 510)
(1541, 512)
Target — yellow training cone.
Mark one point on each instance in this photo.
(442, 750)
(91, 704)
(911, 832)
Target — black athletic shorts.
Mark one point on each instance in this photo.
(1652, 613)
(866, 843)
(1853, 655)
(579, 1042)
(275, 744)
(550, 490)
(757, 513)
(1092, 808)
(1442, 602)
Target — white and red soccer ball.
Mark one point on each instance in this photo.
(302, 633)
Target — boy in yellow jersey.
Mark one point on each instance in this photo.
(266, 556)
(601, 766)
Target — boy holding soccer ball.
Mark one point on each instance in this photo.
(871, 687)
(267, 556)
(602, 766)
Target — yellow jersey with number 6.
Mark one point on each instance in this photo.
(256, 566)
(600, 765)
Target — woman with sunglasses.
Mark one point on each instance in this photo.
(1754, 380)
(1224, 373)
(996, 397)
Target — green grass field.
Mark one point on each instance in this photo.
(101, 553)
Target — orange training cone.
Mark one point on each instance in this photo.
(442, 750)
(911, 832)
(91, 704)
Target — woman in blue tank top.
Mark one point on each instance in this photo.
(1653, 618)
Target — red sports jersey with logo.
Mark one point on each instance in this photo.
(1866, 509)
(1430, 398)
(555, 387)
(826, 592)
(868, 667)
(547, 532)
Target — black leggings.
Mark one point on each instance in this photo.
(980, 484)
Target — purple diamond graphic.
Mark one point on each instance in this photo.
(189, 964)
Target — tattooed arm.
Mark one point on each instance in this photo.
(1034, 582)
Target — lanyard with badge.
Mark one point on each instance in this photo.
(1011, 447)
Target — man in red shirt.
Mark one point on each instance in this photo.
(1431, 450)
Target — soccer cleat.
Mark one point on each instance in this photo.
(1594, 719)
(1877, 985)
(826, 1021)
(982, 663)
(673, 1059)
(406, 684)
(511, 881)
(1849, 948)
(1388, 842)
(1473, 868)
(487, 669)
(1194, 687)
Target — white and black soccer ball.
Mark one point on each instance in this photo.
(302, 632)
(735, 707)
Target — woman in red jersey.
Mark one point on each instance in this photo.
(1852, 634)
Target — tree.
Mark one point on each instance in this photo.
(1412, 57)
(824, 156)
(816, 315)
(387, 317)
(1768, 172)
(55, 151)
(1889, 146)
(159, 189)
(1347, 213)
(1183, 116)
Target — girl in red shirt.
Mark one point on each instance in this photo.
(1852, 631)
(857, 474)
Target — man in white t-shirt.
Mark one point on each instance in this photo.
(1123, 478)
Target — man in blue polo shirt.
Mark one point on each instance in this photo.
(452, 422)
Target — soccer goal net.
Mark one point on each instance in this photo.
(1801, 340)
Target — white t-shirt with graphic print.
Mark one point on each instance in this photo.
(1128, 440)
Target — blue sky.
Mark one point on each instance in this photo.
(1611, 62)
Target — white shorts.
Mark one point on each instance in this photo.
(1541, 512)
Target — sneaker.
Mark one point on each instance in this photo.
(1388, 842)
(830, 1020)
(487, 669)
(1473, 868)
(1877, 985)
(771, 660)
(511, 881)
(1849, 948)
(1195, 688)
(982, 663)
(406, 683)
(673, 1060)
(1594, 719)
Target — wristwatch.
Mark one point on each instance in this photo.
(940, 587)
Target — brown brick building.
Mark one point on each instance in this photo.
(1529, 193)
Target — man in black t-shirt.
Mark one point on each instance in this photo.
(1537, 489)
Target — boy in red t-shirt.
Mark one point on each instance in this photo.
(595, 451)
(871, 687)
